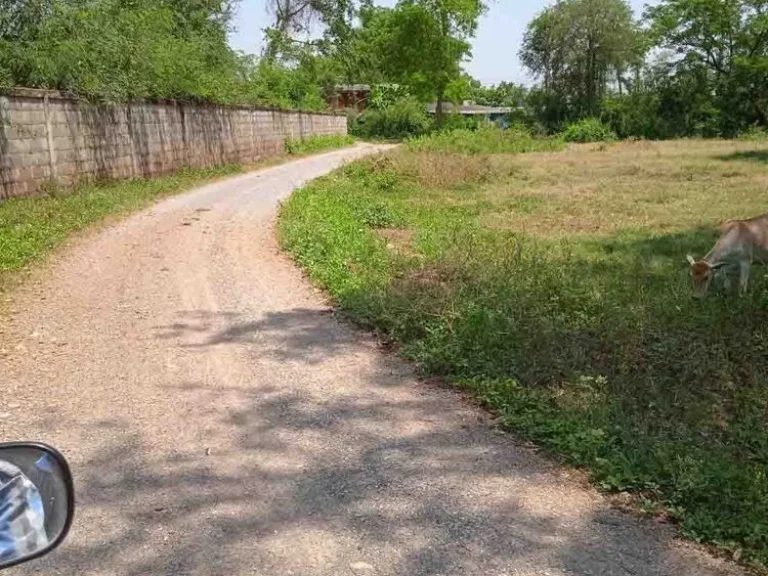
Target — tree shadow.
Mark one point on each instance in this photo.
(453, 501)
(321, 470)
(299, 334)
(674, 246)
(760, 156)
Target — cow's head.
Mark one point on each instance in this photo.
(702, 273)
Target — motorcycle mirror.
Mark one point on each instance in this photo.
(37, 501)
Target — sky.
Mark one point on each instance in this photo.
(494, 53)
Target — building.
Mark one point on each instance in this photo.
(498, 114)
(350, 97)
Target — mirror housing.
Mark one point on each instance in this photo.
(37, 501)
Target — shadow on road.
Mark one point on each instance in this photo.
(313, 477)
(300, 334)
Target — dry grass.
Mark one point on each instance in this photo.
(399, 240)
(586, 190)
(445, 170)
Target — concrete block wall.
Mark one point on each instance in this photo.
(46, 136)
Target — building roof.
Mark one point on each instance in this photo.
(470, 109)
(353, 88)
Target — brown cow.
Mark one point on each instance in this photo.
(741, 243)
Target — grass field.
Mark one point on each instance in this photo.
(554, 286)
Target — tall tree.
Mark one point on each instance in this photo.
(457, 23)
(729, 38)
(581, 47)
(422, 43)
(361, 52)
(292, 15)
(293, 18)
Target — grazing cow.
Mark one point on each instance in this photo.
(741, 243)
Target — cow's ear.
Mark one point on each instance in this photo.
(690, 259)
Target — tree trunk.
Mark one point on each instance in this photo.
(439, 112)
(761, 112)
(588, 79)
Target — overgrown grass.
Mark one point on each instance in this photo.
(555, 288)
(32, 227)
(754, 134)
(317, 143)
(589, 130)
(484, 140)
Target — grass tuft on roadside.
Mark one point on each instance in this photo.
(317, 143)
(31, 227)
(554, 287)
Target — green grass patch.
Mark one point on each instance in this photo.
(318, 143)
(484, 140)
(589, 130)
(555, 288)
(31, 227)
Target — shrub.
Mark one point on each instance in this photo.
(588, 130)
(117, 50)
(458, 122)
(384, 95)
(406, 117)
(754, 134)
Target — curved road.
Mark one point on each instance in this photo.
(220, 421)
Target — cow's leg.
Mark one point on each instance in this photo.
(726, 276)
(744, 267)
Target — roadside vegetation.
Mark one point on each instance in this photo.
(317, 143)
(31, 227)
(554, 287)
(487, 139)
(111, 51)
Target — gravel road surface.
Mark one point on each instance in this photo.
(221, 421)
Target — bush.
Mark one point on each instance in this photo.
(754, 134)
(384, 95)
(406, 117)
(637, 116)
(588, 130)
(114, 51)
(458, 122)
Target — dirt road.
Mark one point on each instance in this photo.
(221, 421)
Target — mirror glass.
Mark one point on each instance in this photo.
(36, 501)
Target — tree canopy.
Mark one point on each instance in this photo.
(114, 50)
(689, 67)
(728, 40)
(579, 48)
